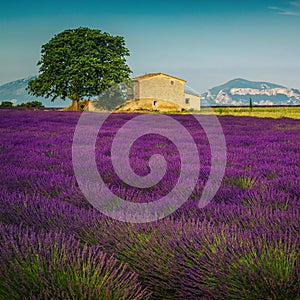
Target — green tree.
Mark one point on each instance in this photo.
(32, 104)
(6, 104)
(250, 104)
(78, 63)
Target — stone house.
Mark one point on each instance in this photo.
(159, 92)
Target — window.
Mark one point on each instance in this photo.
(154, 103)
(187, 101)
(172, 82)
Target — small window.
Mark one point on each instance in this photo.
(172, 82)
(154, 103)
(187, 100)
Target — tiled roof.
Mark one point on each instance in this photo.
(154, 75)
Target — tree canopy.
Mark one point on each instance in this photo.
(6, 104)
(78, 63)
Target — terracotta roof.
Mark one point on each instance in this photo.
(156, 74)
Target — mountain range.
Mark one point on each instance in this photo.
(236, 92)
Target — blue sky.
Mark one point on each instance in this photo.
(206, 43)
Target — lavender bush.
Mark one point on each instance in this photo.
(243, 245)
(39, 265)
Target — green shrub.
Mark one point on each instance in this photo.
(6, 104)
(32, 104)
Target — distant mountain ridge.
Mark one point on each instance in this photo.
(234, 92)
(15, 92)
(239, 91)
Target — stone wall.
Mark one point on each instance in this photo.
(194, 102)
(150, 104)
(160, 87)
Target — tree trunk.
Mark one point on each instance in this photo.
(75, 105)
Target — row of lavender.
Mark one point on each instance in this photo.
(243, 245)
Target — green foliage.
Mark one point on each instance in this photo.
(250, 103)
(242, 182)
(6, 104)
(32, 104)
(79, 63)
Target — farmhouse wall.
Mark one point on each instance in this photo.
(193, 101)
(160, 87)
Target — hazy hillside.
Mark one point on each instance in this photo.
(15, 92)
(239, 91)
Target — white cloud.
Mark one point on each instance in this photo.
(295, 3)
(292, 10)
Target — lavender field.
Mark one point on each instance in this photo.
(243, 245)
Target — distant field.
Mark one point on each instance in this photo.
(262, 112)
